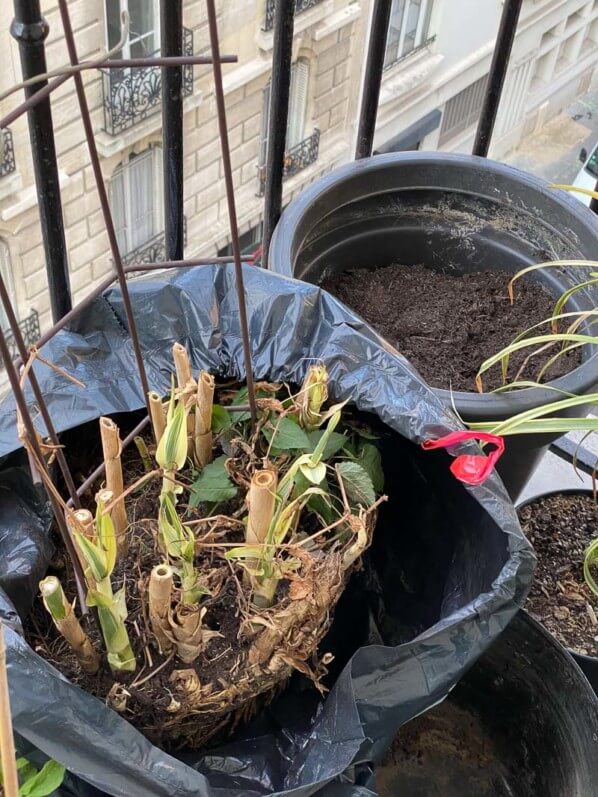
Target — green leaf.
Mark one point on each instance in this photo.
(172, 448)
(288, 435)
(213, 484)
(221, 419)
(315, 474)
(371, 462)
(93, 555)
(47, 780)
(334, 443)
(245, 552)
(358, 485)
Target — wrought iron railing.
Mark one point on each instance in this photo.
(300, 5)
(399, 58)
(295, 159)
(131, 95)
(7, 153)
(30, 330)
(152, 251)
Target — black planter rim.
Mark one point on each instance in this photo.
(584, 657)
(471, 405)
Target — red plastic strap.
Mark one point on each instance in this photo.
(470, 468)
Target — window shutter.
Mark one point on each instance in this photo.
(297, 104)
(142, 192)
(6, 271)
(118, 207)
(264, 131)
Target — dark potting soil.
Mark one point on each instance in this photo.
(448, 324)
(560, 527)
(447, 752)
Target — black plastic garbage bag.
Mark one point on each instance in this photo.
(447, 570)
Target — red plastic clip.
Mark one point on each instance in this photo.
(470, 468)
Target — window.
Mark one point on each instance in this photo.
(592, 164)
(408, 28)
(6, 271)
(462, 110)
(136, 199)
(144, 26)
(248, 242)
(297, 109)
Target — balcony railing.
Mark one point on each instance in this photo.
(131, 95)
(417, 48)
(152, 251)
(299, 157)
(300, 6)
(7, 153)
(30, 331)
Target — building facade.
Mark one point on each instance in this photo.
(437, 60)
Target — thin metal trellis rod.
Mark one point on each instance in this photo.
(496, 76)
(372, 79)
(22, 348)
(103, 196)
(230, 197)
(280, 85)
(32, 437)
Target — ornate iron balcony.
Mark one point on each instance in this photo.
(430, 40)
(7, 153)
(300, 5)
(295, 159)
(131, 95)
(30, 330)
(152, 251)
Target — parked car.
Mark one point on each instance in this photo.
(588, 174)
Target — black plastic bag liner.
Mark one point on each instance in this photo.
(447, 570)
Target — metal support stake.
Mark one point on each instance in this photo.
(280, 86)
(230, 199)
(30, 29)
(39, 396)
(372, 79)
(103, 196)
(496, 76)
(171, 27)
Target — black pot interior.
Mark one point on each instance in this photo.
(521, 723)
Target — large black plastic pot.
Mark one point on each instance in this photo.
(588, 664)
(523, 722)
(452, 212)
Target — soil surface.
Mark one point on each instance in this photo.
(446, 324)
(560, 528)
(446, 752)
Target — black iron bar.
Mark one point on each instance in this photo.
(171, 32)
(230, 197)
(496, 76)
(31, 433)
(594, 201)
(48, 88)
(103, 196)
(39, 397)
(30, 29)
(372, 78)
(280, 85)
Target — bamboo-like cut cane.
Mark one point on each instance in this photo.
(160, 597)
(182, 365)
(10, 779)
(68, 625)
(82, 521)
(111, 446)
(158, 415)
(261, 499)
(203, 419)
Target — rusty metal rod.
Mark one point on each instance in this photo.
(111, 63)
(103, 196)
(230, 197)
(31, 433)
(39, 396)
